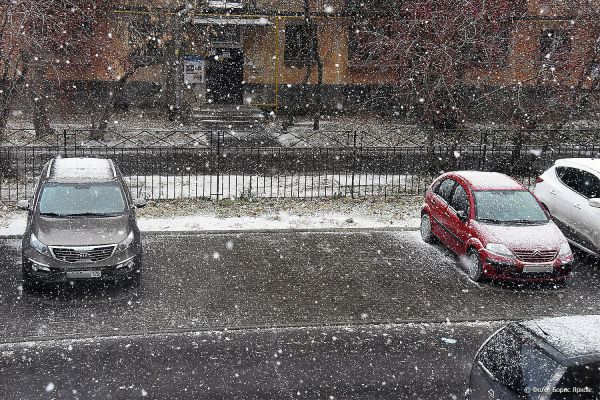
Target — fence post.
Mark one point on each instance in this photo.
(217, 163)
(353, 164)
(483, 147)
(65, 143)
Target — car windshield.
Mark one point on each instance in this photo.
(74, 199)
(508, 206)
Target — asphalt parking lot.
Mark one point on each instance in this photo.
(216, 281)
(385, 284)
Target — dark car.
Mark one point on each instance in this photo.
(81, 225)
(497, 226)
(546, 359)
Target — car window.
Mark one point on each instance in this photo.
(69, 199)
(583, 182)
(460, 199)
(445, 189)
(538, 371)
(501, 358)
(517, 363)
(580, 382)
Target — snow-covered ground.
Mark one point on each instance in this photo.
(263, 214)
(278, 186)
(302, 185)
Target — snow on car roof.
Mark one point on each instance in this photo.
(573, 336)
(489, 180)
(591, 163)
(82, 168)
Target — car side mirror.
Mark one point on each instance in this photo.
(462, 215)
(595, 203)
(140, 203)
(23, 205)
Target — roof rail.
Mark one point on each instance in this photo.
(49, 168)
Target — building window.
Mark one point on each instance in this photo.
(297, 46)
(555, 45)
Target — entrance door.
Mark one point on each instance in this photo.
(225, 76)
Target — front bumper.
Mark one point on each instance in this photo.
(512, 269)
(46, 269)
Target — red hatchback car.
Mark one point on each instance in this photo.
(497, 226)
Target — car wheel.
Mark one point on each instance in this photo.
(426, 233)
(474, 266)
(135, 280)
(28, 283)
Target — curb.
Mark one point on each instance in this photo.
(254, 328)
(261, 231)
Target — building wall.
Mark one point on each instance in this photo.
(267, 73)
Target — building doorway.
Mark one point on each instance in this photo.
(225, 77)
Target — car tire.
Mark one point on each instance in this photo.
(135, 280)
(28, 283)
(426, 232)
(474, 266)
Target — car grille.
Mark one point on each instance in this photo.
(82, 254)
(536, 256)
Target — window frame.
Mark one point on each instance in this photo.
(561, 52)
(450, 194)
(580, 170)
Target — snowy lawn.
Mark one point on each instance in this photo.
(261, 214)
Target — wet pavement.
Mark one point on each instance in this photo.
(416, 361)
(237, 282)
(215, 281)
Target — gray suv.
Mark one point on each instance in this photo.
(81, 225)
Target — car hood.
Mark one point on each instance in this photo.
(546, 236)
(81, 231)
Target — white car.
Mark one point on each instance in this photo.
(571, 192)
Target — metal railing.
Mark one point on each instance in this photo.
(219, 165)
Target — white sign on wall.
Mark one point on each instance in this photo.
(195, 70)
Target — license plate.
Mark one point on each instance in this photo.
(84, 274)
(538, 269)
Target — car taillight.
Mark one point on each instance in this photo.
(539, 179)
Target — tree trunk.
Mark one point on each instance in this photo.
(100, 125)
(4, 111)
(315, 60)
(37, 96)
(41, 124)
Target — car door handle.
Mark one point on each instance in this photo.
(554, 192)
(446, 213)
(577, 205)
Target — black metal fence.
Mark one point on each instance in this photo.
(226, 166)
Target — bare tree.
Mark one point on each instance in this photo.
(37, 38)
(429, 44)
(314, 60)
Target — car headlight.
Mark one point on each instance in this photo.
(39, 246)
(125, 243)
(499, 249)
(565, 251)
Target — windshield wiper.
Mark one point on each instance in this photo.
(91, 214)
(491, 220)
(53, 215)
(527, 221)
